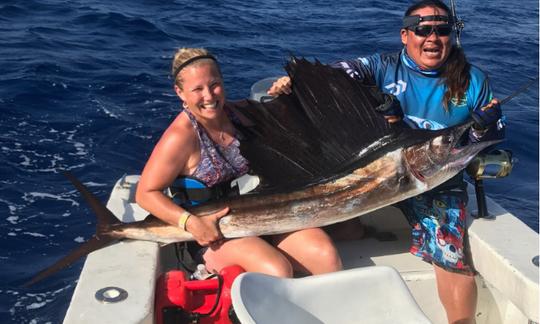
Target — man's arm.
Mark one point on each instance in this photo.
(489, 122)
(361, 69)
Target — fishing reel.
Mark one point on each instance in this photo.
(492, 165)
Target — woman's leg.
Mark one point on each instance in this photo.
(458, 294)
(251, 253)
(310, 251)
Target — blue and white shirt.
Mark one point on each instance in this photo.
(421, 92)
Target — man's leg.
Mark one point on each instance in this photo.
(439, 230)
(457, 292)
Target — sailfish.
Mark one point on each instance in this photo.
(323, 153)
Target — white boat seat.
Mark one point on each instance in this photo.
(364, 295)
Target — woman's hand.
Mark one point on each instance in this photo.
(282, 85)
(205, 229)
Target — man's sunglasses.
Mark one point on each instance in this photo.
(426, 30)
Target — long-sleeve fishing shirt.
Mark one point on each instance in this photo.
(421, 92)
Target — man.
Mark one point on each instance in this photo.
(436, 88)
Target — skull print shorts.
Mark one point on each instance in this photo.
(438, 228)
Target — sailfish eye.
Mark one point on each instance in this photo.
(442, 140)
(447, 140)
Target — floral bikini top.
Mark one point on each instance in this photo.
(218, 163)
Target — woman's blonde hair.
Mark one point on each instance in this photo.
(183, 55)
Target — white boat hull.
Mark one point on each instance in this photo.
(502, 251)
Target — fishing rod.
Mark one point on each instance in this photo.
(457, 23)
(521, 89)
(498, 163)
(492, 165)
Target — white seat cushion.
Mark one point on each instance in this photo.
(363, 295)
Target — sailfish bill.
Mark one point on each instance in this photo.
(323, 154)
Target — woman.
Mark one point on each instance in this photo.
(201, 143)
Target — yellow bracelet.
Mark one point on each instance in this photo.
(184, 216)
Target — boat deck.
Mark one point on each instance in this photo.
(502, 249)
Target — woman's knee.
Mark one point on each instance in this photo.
(313, 249)
(321, 256)
(256, 255)
(328, 257)
(278, 267)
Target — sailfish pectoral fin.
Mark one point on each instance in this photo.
(91, 245)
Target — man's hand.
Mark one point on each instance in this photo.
(487, 115)
(390, 109)
(282, 85)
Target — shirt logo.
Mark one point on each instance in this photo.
(397, 88)
(422, 123)
(462, 104)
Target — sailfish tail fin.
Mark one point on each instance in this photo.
(104, 216)
(91, 245)
(102, 238)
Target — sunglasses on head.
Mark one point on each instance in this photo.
(426, 30)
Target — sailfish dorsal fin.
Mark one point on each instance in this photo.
(325, 127)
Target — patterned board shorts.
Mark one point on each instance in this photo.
(438, 228)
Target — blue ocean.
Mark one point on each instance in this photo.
(85, 86)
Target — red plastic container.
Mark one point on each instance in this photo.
(179, 300)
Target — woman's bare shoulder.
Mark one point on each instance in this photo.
(179, 136)
(180, 130)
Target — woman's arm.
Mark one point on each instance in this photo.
(176, 152)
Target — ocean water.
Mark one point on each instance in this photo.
(85, 86)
